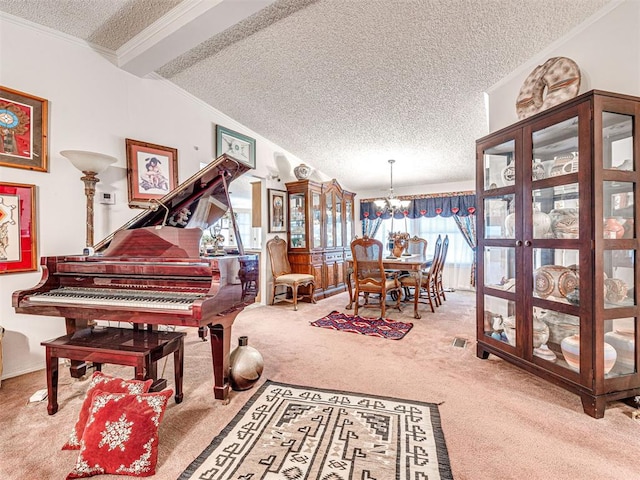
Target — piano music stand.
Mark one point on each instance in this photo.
(119, 346)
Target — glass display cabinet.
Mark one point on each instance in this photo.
(557, 241)
(320, 233)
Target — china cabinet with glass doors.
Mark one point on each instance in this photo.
(557, 243)
(320, 233)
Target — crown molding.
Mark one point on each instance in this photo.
(105, 52)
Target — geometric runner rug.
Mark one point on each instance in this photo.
(291, 432)
(377, 327)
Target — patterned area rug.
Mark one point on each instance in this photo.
(376, 327)
(290, 432)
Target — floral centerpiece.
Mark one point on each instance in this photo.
(398, 242)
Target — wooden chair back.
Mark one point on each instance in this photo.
(369, 274)
(277, 248)
(417, 246)
(367, 261)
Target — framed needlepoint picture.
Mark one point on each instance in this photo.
(236, 145)
(23, 130)
(17, 228)
(152, 171)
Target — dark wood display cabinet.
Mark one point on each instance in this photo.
(321, 227)
(558, 238)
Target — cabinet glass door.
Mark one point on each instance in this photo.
(555, 216)
(330, 219)
(499, 166)
(339, 241)
(316, 215)
(498, 246)
(348, 220)
(619, 244)
(297, 224)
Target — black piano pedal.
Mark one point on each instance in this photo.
(202, 333)
(158, 385)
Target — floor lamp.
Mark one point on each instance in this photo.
(90, 164)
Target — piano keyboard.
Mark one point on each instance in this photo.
(118, 297)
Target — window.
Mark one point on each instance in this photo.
(457, 271)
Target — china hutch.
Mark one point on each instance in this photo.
(321, 227)
(558, 237)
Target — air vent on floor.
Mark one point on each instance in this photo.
(459, 342)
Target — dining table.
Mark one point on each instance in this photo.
(413, 264)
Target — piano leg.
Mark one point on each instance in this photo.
(220, 350)
(78, 368)
(52, 383)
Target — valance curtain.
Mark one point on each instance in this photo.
(424, 206)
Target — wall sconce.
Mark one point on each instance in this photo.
(91, 164)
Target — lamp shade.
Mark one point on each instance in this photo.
(88, 161)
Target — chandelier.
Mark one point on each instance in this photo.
(391, 202)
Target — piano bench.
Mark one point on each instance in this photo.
(119, 346)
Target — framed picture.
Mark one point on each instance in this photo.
(277, 210)
(17, 228)
(23, 130)
(152, 171)
(236, 145)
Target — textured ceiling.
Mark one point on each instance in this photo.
(346, 84)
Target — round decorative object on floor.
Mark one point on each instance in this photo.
(302, 171)
(246, 365)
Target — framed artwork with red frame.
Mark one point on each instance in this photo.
(23, 130)
(152, 171)
(18, 239)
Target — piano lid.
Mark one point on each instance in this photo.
(197, 202)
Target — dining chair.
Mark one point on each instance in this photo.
(441, 263)
(417, 246)
(283, 276)
(427, 283)
(369, 275)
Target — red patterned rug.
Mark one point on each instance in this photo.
(375, 327)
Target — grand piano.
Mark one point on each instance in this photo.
(150, 272)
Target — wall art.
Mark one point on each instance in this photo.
(236, 145)
(152, 171)
(23, 130)
(18, 239)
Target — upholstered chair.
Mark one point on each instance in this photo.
(283, 276)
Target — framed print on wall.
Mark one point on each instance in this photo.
(277, 210)
(152, 171)
(23, 130)
(17, 228)
(236, 145)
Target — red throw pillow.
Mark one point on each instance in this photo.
(121, 436)
(104, 383)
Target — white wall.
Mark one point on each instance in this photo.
(606, 48)
(94, 106)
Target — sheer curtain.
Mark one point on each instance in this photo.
(458, 265)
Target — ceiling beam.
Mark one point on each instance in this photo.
(184, 27)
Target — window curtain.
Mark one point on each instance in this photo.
(370, 226)
(467, 226)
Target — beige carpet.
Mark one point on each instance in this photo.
(499, 422)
